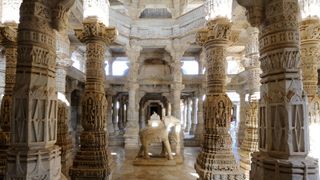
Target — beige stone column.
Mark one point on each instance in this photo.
(93, 160)
(250, 141)
(193, 116)
(242, 123)
(252, 68)
(216, 160)
(132, 128)
(310, 54)
(33, 153)
(132, 131)
(188, 115)
(283, 120)
(198, 135)
(8, 39)
(64, 139)
(176, 89)
(115, 115)
(109, 115)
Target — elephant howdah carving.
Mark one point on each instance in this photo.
(158, 131)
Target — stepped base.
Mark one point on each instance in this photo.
(266, 168)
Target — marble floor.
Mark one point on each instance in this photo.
(125, 170)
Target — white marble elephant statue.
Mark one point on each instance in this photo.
(156, 131)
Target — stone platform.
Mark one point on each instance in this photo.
(157, 160)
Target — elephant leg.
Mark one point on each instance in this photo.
(167, 144)
(140, 154)
(146, 150)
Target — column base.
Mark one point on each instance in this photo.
(34, 164)
(219, 165)
(192, 129)
(245, 162)
(266, 168)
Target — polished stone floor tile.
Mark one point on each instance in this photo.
(125, 170)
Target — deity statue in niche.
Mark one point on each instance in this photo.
(221, 115)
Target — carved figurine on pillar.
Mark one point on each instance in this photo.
(216, 160)
(94, 140)
(8, 38)
(283, 119)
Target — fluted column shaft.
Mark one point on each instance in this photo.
(93, 159)
(8, 36)
(216, 160)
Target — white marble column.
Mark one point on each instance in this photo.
(242, 123)
(198, 135)
(194, 114)
(132, 129)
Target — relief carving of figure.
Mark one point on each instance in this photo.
(221, 115)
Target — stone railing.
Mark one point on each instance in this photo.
(193, 79)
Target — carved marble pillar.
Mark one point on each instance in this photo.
(216, 160)
(115, 115)
(198, 135)
(193, 116)
(176, 89)
(132, 132)
(109, 115)
(310, 54)
(252, 67)
(250, 141)
(121, 125)
(33, 153)
(242, 123)
(283, 119)
(188, 115)
(8, 39)
(64, 139)
(93, 160)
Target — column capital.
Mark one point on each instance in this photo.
(216, 30)
(94, 30)
(310, 30)
(8, 36)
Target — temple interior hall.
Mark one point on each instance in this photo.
(159, 89)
